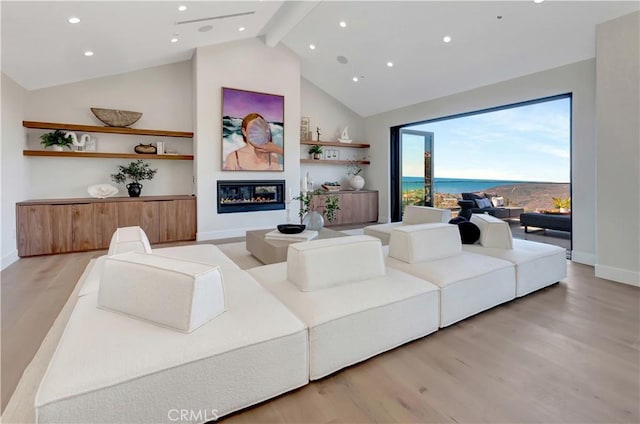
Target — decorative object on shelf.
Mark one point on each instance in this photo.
(356, 182)
(80, 144)
(305, 134)
(315, 151)
(57, 140)
(318, 132)
(148, 149)
(102, 191)
(344, 137)
(160, 147)
(135, 172)
(89, 143)
(353, 172)
(331, 154)
(331, 186)
(115, 117)
(291, 228)
(310, 217)
(252, 131)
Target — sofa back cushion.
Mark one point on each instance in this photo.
(170, 292)
(319, 264)
(424, 214)
(129, 239)
(494, 232)
(424, 242)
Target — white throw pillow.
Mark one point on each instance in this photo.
(483, 203)
(497, 201)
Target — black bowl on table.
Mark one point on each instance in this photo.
(291, 228)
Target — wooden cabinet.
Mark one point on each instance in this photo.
(76, 225)
(356, 207)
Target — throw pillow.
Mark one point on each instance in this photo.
(483, 203)
(497, 201)
(469, 232)
(457, 220)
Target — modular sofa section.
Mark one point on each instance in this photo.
(111, 368)
(412, 215)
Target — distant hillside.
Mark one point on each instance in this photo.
(531, 196)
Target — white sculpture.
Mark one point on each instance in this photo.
(344, 137)
(102, 191)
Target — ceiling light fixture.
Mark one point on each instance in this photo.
(538, 1)
(73, 20)
(182, 8)
(174, 40)
(88, 53)
(390, 64)
(355, 79)
(241, 29)
(343, 24)
(312, 46)
(446, 39)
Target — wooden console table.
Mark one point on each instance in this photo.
(82, 224)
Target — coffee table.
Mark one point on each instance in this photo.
(274, 251)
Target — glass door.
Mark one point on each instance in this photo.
(416, 168)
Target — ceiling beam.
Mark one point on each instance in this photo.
(287, 17)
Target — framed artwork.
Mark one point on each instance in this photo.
(252, 131)
(304, 129)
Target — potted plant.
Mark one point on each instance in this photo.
(57, 140)
(315, 151)
(312, 218)
(564, 205)
(134, 172)
(353, 172)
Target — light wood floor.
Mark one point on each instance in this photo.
(568, 353)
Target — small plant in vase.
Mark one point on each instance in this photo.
(353, 172)
(312, 218)
(563, 205)
(315, 151)
(135, 172)
(57, 140)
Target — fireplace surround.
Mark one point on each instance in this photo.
(250, 195)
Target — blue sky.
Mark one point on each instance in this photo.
(527, 143)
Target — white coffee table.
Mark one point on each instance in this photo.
(274, 251)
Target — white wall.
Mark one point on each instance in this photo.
(577, 78)
(15, 186)
(331, 116)
(618, 149)
(163, 94)
(248, 65)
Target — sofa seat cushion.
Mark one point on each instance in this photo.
(352, 322)
(203, 253)
(381, 231)
(469, 283)
(174, 293)
(538, 265)
(110, 368)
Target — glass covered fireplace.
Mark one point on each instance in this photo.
(250, 196)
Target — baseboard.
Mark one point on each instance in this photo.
(583, 257)
(9, 259)
(618, 275)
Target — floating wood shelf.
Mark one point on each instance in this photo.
(336, 144)
(104, 155)
(109, 130)
(334, 162)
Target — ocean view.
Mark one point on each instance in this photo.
(455, 185)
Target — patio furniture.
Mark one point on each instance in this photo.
(545, 221)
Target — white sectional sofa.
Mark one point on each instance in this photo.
(353, 305)
(412, 215)
(538, 265)
(469, 282)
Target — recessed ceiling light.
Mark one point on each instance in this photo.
(390, 64)
(538, 1)
(355, 79)
(73, 20)
(241, 29)
(88, 53)
(182, 8)
(343, 24)
(174, 40)
(312, 46)
(446, 39)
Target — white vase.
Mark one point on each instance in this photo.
(356, 182)
(57, 148)
(313, 221)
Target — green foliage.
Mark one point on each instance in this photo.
(56, 138)
(135, 172)
(559, 202)
(331, 204)
(353, 168)
(315, 149)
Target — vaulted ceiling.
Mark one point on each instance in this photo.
(490, 41)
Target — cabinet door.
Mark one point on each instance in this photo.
(142, 214)
(177, 220)
(43, 229)
(83, 227)
(371, 207)
(105, 223)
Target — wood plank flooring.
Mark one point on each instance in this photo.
(568, 353)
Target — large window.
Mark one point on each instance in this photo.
(518, 152)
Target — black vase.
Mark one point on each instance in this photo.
(134, 189)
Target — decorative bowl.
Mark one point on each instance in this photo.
(291, 228)
(331, 187)
(116, 118)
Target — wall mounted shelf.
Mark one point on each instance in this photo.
(334, 162)
(104, 155)
(337, 144)
(108, 130)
